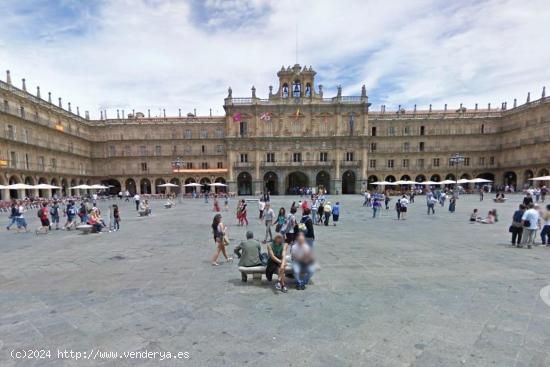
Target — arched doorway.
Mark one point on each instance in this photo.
(370, 180)
(145, 186)
(42, 192)
(14, 194)
(175, 181)
(420, 178)
(64, 187)
(271, 183)
(296, 181)
(405, 178)
(55, 183)
(221, 188)
(510, 178)
(190, 189)
(348, 182)
(390, 178)
(435, 178)
(450, 176)
(205, 181)
(244, 183)
(322, 181)
(114, 186)
(543, 172)
(160, 190)
(465, 176)
(131, 186)
(526, 176)
(29, 181)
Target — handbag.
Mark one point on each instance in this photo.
(526, 223)
(263, 258)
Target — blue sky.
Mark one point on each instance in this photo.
(140, 54)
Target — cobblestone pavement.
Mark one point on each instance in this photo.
(428, 291)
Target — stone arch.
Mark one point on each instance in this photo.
(29, 181)
(322, 181)
(349, 180)
(271, 183)
(405, 178)
(42, 192)
(487, 176)
(526, 176)
(204, 182)
(175, 181)
(420, 178)
(114, 186)
(543, 172)
(189, 190)
(145, 186)
(435, 178)
(510, 178)
(296, 180)
(465, 176)
(390, 178)
(130, 185)
(450, 176)
(219, 189)
(14, 179)
(54, 182)
(160, 190)
(370, 180)
(244, 183)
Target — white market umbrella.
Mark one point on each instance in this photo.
(448, 182)
(3, 187)
(480, 180)
(406, 182)
(193, 184)
(429, 183)
(99, 187)
(19, 186)
(384, 183)
(82, 187)
(218, 184)
(463, 181)
(541, 178)
(44, 186)
(169, 184)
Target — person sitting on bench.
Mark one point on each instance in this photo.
(144, 208)
(248, 253)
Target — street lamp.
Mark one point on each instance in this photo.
(455, 160)
(178, 164)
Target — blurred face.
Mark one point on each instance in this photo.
(301, 239)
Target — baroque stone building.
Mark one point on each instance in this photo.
(294, 138)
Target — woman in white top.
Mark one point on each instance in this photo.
(21, 222)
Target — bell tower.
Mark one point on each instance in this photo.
(296, 82)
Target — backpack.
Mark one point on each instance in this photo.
(40, 213)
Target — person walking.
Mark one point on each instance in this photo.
(137, 200)
(430, 202)
(14, 213)
(116, 218)
(327, 209)
(268, 216)
(335, 213)
(218, 230)
(404, 207)
(21, 221)
(54, 214)
(376, 206)
(398, 208)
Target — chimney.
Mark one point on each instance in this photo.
(101, 115)
(528, 97)
(38, 92)
(476, 107)
(60, 104)
(515, 102)
(78, 111)
(195, 112)
(543, 92)
(123, 114)
(489, 106)
(105, 114)
(50, 97)
(253, 92)
(69, 104)
(430, 107)
(164, 112)
(445, 107)
(23, 84)
(117, 114)
(179, 112)
(210, 112)
(8, 77)
(87, 114)
(148, 113)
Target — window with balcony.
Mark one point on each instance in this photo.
(10, 132)
(323, 157)
(204, 165)
(349, 157)
(220, 164)
(158, 150)
(204, 134)
(297, 157)
(406, 130)
(142, 150)
(420, 163)
(482, 129)
(391, 131)
(189, 165)
(421, 146)
(13, 159)
(219, 133)
(406, 146)
(40, 163)
(270, 157)
(390, 163)
(466, 161)
(25, 135)
(219, 149)
(53, 163)
(405, 163)
(372, 163)
(373, 147)
(481, 161)
(203, 149)
(436, 162)
(491, 161)
(127, 150)
(243, 128)
(22, 111)
(244, 158)
(112, 151)
(188, 134)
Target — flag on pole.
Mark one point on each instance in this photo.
(266, 116)
(237, 117)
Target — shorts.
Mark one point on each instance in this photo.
(45, 222)
(404, 209)
(335, 217)
(55, 218)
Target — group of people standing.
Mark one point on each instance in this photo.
(527, 220)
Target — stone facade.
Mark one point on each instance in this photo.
(295, 137)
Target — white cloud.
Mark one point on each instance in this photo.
(168, 54)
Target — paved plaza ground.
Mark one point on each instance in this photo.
(428, 291)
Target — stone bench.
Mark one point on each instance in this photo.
(258, 271)
(500, 200)
(144, 213)
(85, 228)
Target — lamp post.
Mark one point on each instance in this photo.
(178, 164)
(455, 160)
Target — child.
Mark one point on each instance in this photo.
(335, 212)
(474, 217)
